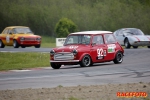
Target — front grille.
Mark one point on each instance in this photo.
(30, 39)
(64, 56)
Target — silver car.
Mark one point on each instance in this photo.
(132, 37)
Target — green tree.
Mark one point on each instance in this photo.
(64, 27)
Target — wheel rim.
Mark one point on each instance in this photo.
(87, 61)
(119, 57)
(14, 43)
(126, 43)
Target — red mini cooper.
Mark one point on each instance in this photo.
(86, 48)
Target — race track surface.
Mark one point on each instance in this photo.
(135, 68)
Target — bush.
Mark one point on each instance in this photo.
(64, 27)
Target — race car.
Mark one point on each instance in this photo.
(19, 36)
(132, 37)
(86, 48)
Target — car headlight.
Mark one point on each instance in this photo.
(74, 52)
(38, 39)
(52, 52)
(22, 39)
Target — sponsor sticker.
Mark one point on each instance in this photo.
(111, 48)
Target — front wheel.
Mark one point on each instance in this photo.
(127, 44)
(55, 65)
(1, 44)
(15, 44)
(86, 61)
(118, 58)
(135, 47)
(148, 46)
(37, 46)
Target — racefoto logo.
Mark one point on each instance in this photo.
(131, 94)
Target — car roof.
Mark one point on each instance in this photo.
(17, 27)
(92, 32)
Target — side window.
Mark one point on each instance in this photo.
(109, 38)
(98, 39)
(13, 31)
(5, 31)
(120, 33)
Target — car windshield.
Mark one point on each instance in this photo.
(23, 30)
(78, 39)
(133, 32)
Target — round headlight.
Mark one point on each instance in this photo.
(38, 39)
(52, 52)
(74, 52)
(22, 39)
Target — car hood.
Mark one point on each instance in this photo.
(69, 48)
(140, 37)
(26, 35)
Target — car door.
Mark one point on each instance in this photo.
(110, 43)
(98, 49)
(10, 36)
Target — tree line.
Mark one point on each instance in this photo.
(43, 15)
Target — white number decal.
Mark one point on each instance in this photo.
(7, 39)
(100, 52)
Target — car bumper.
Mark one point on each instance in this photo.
(28, 43)
(64, 61)
(141, 43)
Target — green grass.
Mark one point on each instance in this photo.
(48, 42)
(23, 60)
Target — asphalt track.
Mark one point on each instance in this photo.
(135, 68)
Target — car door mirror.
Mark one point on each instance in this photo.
(94, 43)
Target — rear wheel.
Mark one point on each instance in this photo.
(135, 47)
(127, 44)
(86, 61)
(148, 46)
(15, 44)
(118, 58)
(55, 65)
(1, 44)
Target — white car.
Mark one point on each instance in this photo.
(132, 37)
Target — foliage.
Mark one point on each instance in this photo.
(64, 27)
(42, 15)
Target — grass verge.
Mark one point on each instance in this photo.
(23, 60)
(48, 42)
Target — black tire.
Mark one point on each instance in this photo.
(37, 46)
(55, 65)
(15, 44)
(148, 46)
(23, 46)
(135, 47)
(1, 44)
(86, 61)
(127, 44)
(118, 58)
